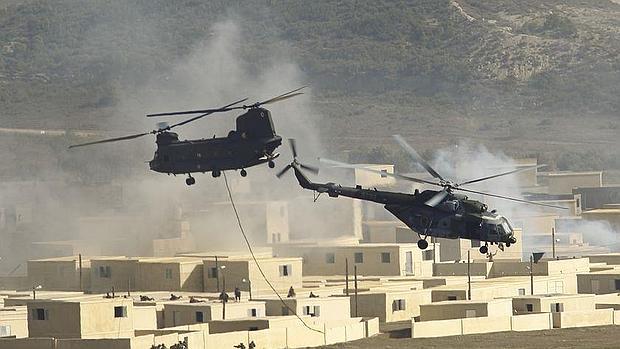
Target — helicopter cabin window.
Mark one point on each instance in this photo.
(385, 257)
(475, 243)
(529, 307)
(617, 284)
(358, 257)
(451, 298)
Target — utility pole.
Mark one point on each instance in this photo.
(217, 274)
(355, 278)
(531, 275)
(434, 253)
(553, 242)
(224, 295)
(346, 277)
(468, 277)
(80, 268)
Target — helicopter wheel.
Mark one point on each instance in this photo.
(422, 244)
(243, 173)
(190, 181)
(216, 173)
(484, 249)
(508, 244)
(271, 164)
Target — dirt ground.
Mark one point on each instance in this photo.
(585, 337)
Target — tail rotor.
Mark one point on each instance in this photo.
(295, 163)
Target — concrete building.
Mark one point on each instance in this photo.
(282, 272)
(461, 309)
(61, 274)
(186, 313)
(553, 303)
(95, 317)
(602, 282)
(14, 322)
(369, 259)
(390, 305)
(597, 197)
(565, 182)
(325, 308)
(148, 274)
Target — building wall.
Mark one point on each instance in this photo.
(123, 273)
(97, 319)
(563, 183)
(185, 313)
(598, 283)
(543, 304)
(318, 261)
(330, 308)
(237, 270)
(172, 276)
(16, 320)
(62, 275)
(388, 306)
(464, 309)
(63, 320)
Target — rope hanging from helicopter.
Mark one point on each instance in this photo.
(260, 269)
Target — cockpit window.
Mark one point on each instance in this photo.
(506, 225)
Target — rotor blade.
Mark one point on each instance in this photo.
(310, 168)
(222, 109)
(200, 111)
(414, 154)
(293, 144)
(284, 170)
(382, 173)
(510, 198)
(437, 198)
(273, 100)
(502, 174)
(276, 98)
(111, 140)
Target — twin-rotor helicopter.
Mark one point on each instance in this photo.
(253, 142)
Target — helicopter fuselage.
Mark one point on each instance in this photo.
(253, 142)
(454, 217)
(215, 154)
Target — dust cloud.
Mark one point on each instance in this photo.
(115, 209)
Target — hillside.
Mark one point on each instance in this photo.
(527, 77)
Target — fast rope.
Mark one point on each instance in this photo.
(247, 242)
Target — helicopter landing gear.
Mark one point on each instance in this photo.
(484, 249)
(190, 180)
(422, 244)
(508, 244)
(271, 164)
(216, 173)
(243, 172)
